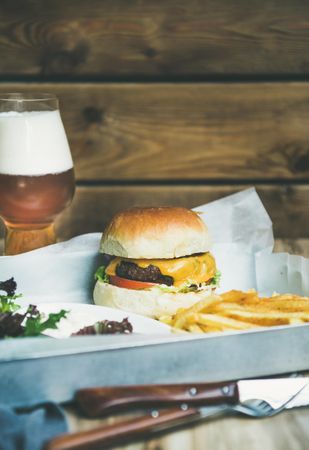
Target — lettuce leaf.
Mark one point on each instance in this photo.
(189, 286)
(216, 279)
(101, 275)
(7, 304)
(7, 300)
(35, 325)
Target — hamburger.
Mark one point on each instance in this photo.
(157, 260)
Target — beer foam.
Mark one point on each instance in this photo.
(33, 143)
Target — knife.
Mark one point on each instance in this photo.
(96, 402)
(130, 430)
(277, 392)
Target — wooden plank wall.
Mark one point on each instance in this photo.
(171, 102)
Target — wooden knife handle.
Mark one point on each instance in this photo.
(119, 433)
(96, 402)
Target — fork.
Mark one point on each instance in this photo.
(260, 408)
(158, 421)
(253, 408)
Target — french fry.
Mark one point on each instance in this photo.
(280, 306)
(222, 322)
(239, 296)
(166, 319)
(180, 316)
(195, 328)
(237, 310)
(210, 329)
(296, 321)
(266, 318)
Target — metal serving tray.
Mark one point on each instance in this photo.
(34, 370)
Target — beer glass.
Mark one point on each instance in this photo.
(36, 170)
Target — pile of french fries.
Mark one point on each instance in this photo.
(237, 310)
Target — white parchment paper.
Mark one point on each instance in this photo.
(240, 228)
(242, 237)
(58, 273)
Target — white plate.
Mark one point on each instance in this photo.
(82, 315)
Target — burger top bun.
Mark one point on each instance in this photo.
(150, 233)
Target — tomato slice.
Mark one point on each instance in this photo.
(129, 284)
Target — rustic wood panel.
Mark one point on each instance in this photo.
(150, 38)
(93, 207)
(293, 246)
(185, 131)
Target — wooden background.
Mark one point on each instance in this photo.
(171, 102)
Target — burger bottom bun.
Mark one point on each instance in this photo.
(152, 303)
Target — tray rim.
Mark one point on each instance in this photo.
(22, 349)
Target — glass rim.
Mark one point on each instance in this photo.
(27, 97)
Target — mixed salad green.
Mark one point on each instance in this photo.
(18, 322)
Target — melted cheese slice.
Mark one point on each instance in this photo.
(196, 268)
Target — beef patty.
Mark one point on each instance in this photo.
(152, 274)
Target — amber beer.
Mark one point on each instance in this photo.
(36, 170)
(34, 201)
